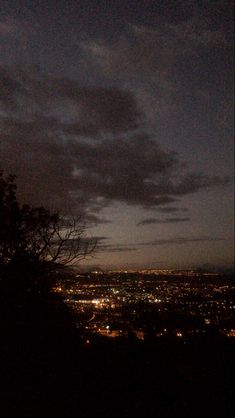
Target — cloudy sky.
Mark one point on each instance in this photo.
(123, 111)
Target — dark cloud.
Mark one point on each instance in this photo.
(192, 182)
(179, 241)
(99, 238)
(152, 52)
(112, 248)
(95, 220)
(96, 240)
(74, 109)
(171, 209)
(118, 248)
(173, 65)
(75, 148)
(149, 221)
(9, 87)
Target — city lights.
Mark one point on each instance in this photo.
(115, 303)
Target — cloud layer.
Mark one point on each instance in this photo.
(72, 146)
(166, 64)
(180, 241)
(84, 147)
(115, 248)
(150, 221)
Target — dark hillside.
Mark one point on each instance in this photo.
(48, 371)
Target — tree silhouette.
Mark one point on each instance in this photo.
(33, 239)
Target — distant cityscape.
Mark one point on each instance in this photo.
(144, 304)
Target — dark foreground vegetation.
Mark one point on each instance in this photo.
(47, 370)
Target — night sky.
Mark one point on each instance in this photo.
(123, 111)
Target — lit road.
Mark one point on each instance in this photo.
(91, 319)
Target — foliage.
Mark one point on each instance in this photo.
(36, 234)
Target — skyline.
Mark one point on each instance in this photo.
(124, 113)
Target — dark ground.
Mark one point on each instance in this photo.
(47, 371)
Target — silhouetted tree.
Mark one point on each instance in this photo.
(34, 239)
